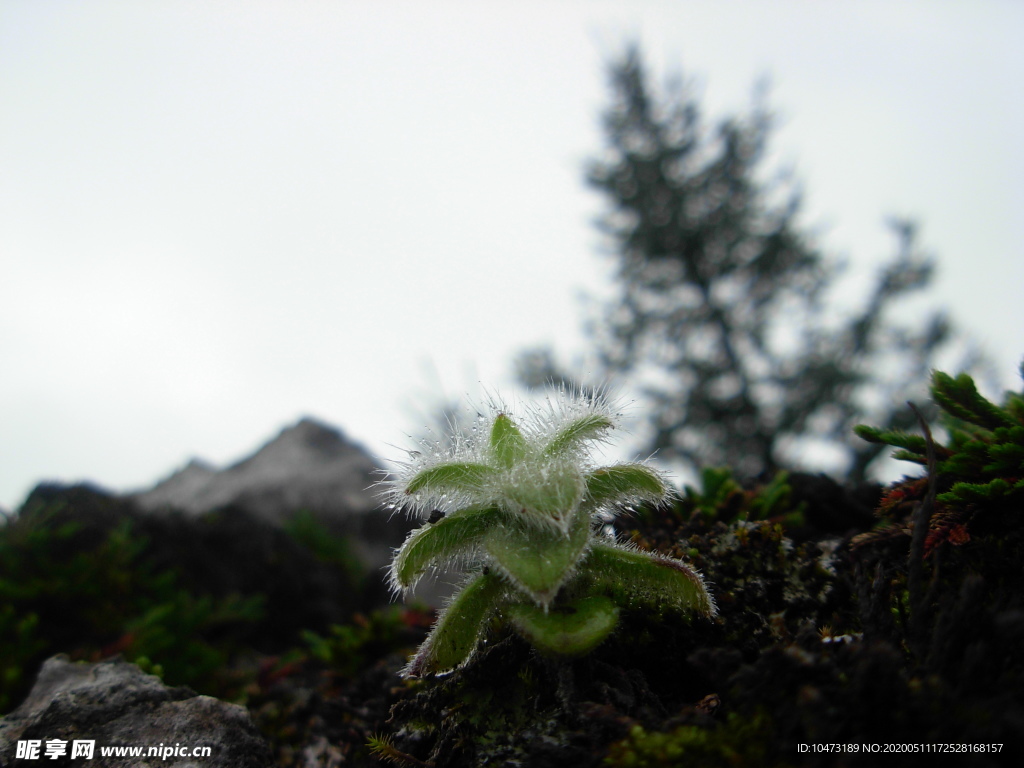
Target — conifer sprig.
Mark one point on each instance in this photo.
(981, 462)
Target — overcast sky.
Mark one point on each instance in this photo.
(216, 217)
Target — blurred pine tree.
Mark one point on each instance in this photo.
(722, 322)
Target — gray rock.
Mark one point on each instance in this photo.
(183, 490)
(308, 466)
(115, 704)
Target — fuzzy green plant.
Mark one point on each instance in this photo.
(522, 508)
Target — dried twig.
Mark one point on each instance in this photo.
(919, 608)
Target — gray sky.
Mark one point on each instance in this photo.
(216, 217)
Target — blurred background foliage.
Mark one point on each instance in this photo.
(195, 600)
(725, 319)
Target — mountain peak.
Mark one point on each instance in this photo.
(311, 436)
(307, 465)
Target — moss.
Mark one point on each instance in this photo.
(736, 741)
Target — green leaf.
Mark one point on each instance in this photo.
(567, 630)
(455, 476)
(908, 456)
(970, 457)
(569, 437)
(960, 398)
(625, 482)
(1007, 458)
(894, 437)
(718, 484)
(1015, 407)
(773, 499)
(537, 558)
(458, 629)
(647, 578)
(507, 443)
(976, 493)
(869, 433)
(442, 541)
(550, 488)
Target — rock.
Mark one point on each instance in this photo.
(308, 466)
(115, 704)
(182, 489)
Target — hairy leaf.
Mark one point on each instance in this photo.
(455, 476)
(648, 578)
(458, 629)
(537, 559)
(507, 443)
(569, 437)
(625, 482)
(550, 488)
(434, 543)
(567, 630)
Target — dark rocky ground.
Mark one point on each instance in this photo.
(824, 636)
(816, 642)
